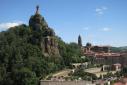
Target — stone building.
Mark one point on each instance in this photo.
(97, 49)
(103, 55)
(113, 67)
(46, 82)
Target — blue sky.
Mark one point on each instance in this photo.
(101, 22)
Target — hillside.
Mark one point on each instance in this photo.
(29, 53)
(119, 49)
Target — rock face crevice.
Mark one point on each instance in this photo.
(44, 34)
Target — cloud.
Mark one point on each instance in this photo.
(86, 28)
(5, 26)
(100, 11)
(106, 29)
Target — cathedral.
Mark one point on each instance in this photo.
(102, 54)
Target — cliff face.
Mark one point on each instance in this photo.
(44, 34)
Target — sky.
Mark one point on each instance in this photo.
(100, 22)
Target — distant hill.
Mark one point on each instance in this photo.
(119, 49)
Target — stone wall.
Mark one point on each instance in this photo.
(46, 82)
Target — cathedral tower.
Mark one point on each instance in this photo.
(79, 41)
